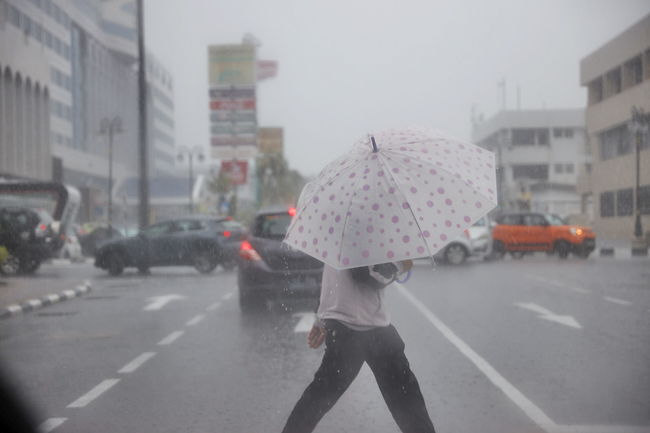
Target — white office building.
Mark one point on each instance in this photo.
(539, 154)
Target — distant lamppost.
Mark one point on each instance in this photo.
(198, 151)
(638, 126)
(110, 127)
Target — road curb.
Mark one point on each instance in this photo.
(35, 304)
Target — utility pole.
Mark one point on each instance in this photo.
(143, 214)
(198, 151)
(110, 127)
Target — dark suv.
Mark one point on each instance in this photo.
(200, 241)
(30, 236)
(271, 269)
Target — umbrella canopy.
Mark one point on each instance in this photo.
(397, 194)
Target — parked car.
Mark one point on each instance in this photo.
(29, 236)
(522, 232)
(271, 269)
(71, 248)
(475, 241)
(200, 241)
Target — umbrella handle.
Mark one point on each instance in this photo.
(408, 275)
(374, 145)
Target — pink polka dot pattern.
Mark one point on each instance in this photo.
(408, 200)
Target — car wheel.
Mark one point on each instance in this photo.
(517, 254)
(11, 266)
(29, 265)
(498, 250)
(249, 303)
(455, 254)
(563, 248)
(205, 262)
(114, 264)
(229, 265)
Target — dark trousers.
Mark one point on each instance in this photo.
(345, 352)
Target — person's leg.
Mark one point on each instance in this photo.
(341, 364)
(398, 385)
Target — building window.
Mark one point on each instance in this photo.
(624, 202)
(542, 136)
(557, 132)
(644, 199)
(614, 142)
(595, 90)
(523, 137)
(559, 168)
(15, 17)
(27, 25)
(48, 38)
(613, 82)
(38, 32)
(539, 172)
(607, 204)
(47, 6)
(569, 168)
(633, 71)
(568, 133)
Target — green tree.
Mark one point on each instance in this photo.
(277, 184)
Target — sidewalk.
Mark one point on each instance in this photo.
(613, 247)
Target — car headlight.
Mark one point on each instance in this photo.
(575, 231)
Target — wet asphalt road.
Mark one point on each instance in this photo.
(532, 345)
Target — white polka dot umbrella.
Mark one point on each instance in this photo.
(397, 194)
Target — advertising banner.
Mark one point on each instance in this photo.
(266, 69)
(230, 128)
(232, 116)
(231, 64)
(232, 93)
(232, 104)
(270, 140)
(230, 140)
(229, 152)
(237, 170)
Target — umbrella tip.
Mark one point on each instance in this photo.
(374, 145)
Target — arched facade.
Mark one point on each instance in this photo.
(24, 126)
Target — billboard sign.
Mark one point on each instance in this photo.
(270, 140)
(237, 170)
(232, 104)
(229, 152)
(232, 93)
(231, 140)
(231, 65)
(232, 116)
(266, 69)
(233, 128)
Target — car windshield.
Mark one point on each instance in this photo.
(272, 226)
(554, 220)
(479, 223)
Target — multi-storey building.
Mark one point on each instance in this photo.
(617, 77)
(78, 58)
(540, 154)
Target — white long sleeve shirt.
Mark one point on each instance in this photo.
(357, 305)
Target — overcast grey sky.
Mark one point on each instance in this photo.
(349, 67)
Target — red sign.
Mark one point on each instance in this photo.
(237, 171)
(266, 69)
(232, 105)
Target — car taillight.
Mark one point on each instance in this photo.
(467, 234)
(247, 252)
(292, 211)
(226, 234)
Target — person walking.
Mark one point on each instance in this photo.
(354, 324)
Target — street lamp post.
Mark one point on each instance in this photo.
(638, 126)
(110, 127)
(198, 151)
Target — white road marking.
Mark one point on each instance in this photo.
(196, 319)
(35, 303)
(137, 362)
(213, 306)
(94, 393)
(548, 315)
(533, 412)
(53, 298)
(580, 290)
(157, 302)
(305, 323)
(50, 425)
(617, 301)
(227, 296)
(69, 294)
(13, 309)
(170, 338)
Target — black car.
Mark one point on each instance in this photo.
(30, 236)
(200, 241)
(271, 269)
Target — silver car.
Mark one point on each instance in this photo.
(475, 241)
